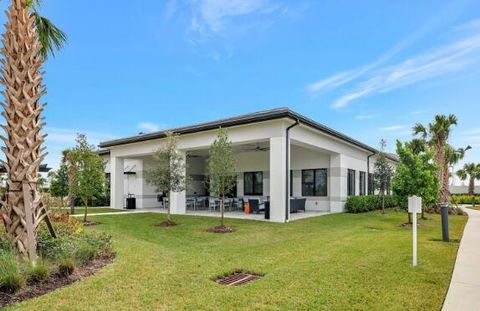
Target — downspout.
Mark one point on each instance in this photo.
(287, 169)
(368, 169)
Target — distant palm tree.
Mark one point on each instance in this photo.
(472, 172)
(28, 39)
(436, 135)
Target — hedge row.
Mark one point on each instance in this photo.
(465, 199)
(366, 203)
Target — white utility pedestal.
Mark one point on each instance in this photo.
(414, 207)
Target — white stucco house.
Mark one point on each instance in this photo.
(280, 155)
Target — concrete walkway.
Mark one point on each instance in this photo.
(464, 291)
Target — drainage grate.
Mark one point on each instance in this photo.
(238, 278)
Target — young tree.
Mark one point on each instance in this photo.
(221, 169)
(168, 175)
(27, 40)
(472, 172)
(416, 174)
(383, 173)
(88, 172)
(59, 183)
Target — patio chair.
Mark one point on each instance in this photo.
(255, 206)
(237, 204)
(213, 204)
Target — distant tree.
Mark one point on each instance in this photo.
(168, 174)
(416, 174)
(383, 173)
(472, 172)
(87, 172)
(59, 183)
(221, 169)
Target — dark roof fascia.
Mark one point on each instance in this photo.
(268, 115)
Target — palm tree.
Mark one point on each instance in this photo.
(28, 39)
(471, 171)
(436, 136)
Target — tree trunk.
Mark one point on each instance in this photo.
(61, 203)
(86, 209)
(222, 208)
(22, 80)
(383, 202)
(409, 218)
(168, 208)
(471, 189)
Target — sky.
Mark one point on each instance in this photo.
(370, 69)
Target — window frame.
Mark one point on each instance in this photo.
(254, 183)
(362, 183)
(351, 191)
(314, 182)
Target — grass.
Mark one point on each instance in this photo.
(334, 262)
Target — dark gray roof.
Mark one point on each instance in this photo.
(273, 114)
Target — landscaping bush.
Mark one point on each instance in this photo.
(366, 203)
(37, 272)
(11, 278)
(465, 199)
(66, 265)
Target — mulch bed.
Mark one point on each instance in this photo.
(89, 223)
(221, 229)
(55, 281)
(166, 223)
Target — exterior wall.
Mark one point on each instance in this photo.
(310, 149)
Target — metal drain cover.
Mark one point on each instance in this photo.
(238, 278)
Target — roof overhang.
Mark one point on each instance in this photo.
(246, 119)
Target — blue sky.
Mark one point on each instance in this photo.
(370, 69)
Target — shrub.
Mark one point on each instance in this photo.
(11, 279)
(66, 266)
(92, 245)
(37, 272)
(366, 203)
(465, 199)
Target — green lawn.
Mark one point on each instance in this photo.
(335, 262)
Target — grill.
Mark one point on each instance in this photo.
(238, 278)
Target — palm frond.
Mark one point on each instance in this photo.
(50, 36)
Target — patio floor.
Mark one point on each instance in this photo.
(235, 215)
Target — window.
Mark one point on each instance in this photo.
(351, 182)
(371, 185)
(363, 184)
(314, 183)
(253, 183)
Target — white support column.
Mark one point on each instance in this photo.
(140, 180)
(338, 184)
(278, 179)
(116, 182)
(178, 200)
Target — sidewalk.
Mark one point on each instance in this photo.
(464, 291)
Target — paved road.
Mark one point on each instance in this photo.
(464, 291)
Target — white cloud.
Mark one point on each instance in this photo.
(216, 14)
(449, 58)
(365, 116)
(148, 127)
(393, 128)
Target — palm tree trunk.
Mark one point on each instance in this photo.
(22, 79)
(471, 189)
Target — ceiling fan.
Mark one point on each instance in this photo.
(256, 148)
